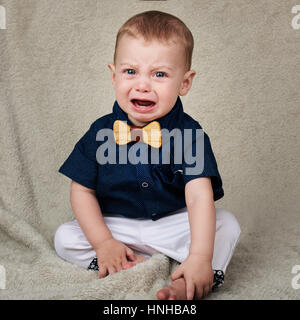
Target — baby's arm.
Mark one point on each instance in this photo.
(111, 254)
(197, 268)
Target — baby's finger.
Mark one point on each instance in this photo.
(206, 291)
(119, 266)
(111, 270)
(102, 271)
(178, 273)
(129, 265)
(199, 292)
(125, 261)
(190, 290)
(130, 254)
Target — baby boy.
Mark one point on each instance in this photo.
(129, 208)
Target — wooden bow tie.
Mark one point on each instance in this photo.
(149, 134)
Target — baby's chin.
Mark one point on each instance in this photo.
(141, 121)
(142, 117)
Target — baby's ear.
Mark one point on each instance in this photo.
(187, 82)
(112, 69)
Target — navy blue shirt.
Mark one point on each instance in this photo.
(142, 190)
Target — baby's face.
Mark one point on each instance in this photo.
(148, 77)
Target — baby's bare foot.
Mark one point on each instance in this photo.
(175, 291)
(138, 259)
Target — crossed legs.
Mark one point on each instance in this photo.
(169, 235)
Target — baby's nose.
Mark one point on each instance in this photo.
(143, 85)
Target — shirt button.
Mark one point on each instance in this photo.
(145, 184)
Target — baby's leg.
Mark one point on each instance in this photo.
(174, 241)
(71, 244)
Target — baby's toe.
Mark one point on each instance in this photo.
(163, 294)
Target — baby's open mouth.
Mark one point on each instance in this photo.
(143, 103)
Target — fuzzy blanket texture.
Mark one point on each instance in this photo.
(54, 82)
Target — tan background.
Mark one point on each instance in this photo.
(54, 81)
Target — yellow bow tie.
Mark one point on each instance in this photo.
(149, 134)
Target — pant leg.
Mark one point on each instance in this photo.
(71, 244)
(227, 236)
(171, 235)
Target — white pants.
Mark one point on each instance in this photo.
(169, 235)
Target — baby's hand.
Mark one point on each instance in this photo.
(198, 275)
(112, 256)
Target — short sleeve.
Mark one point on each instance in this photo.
(81, 165)
(204, 163)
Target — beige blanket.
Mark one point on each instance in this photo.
(54, 82)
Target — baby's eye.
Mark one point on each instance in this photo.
(160, 74)
(130, 71)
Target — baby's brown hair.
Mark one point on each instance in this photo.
(160, 26)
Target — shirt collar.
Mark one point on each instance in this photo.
(173, 119)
